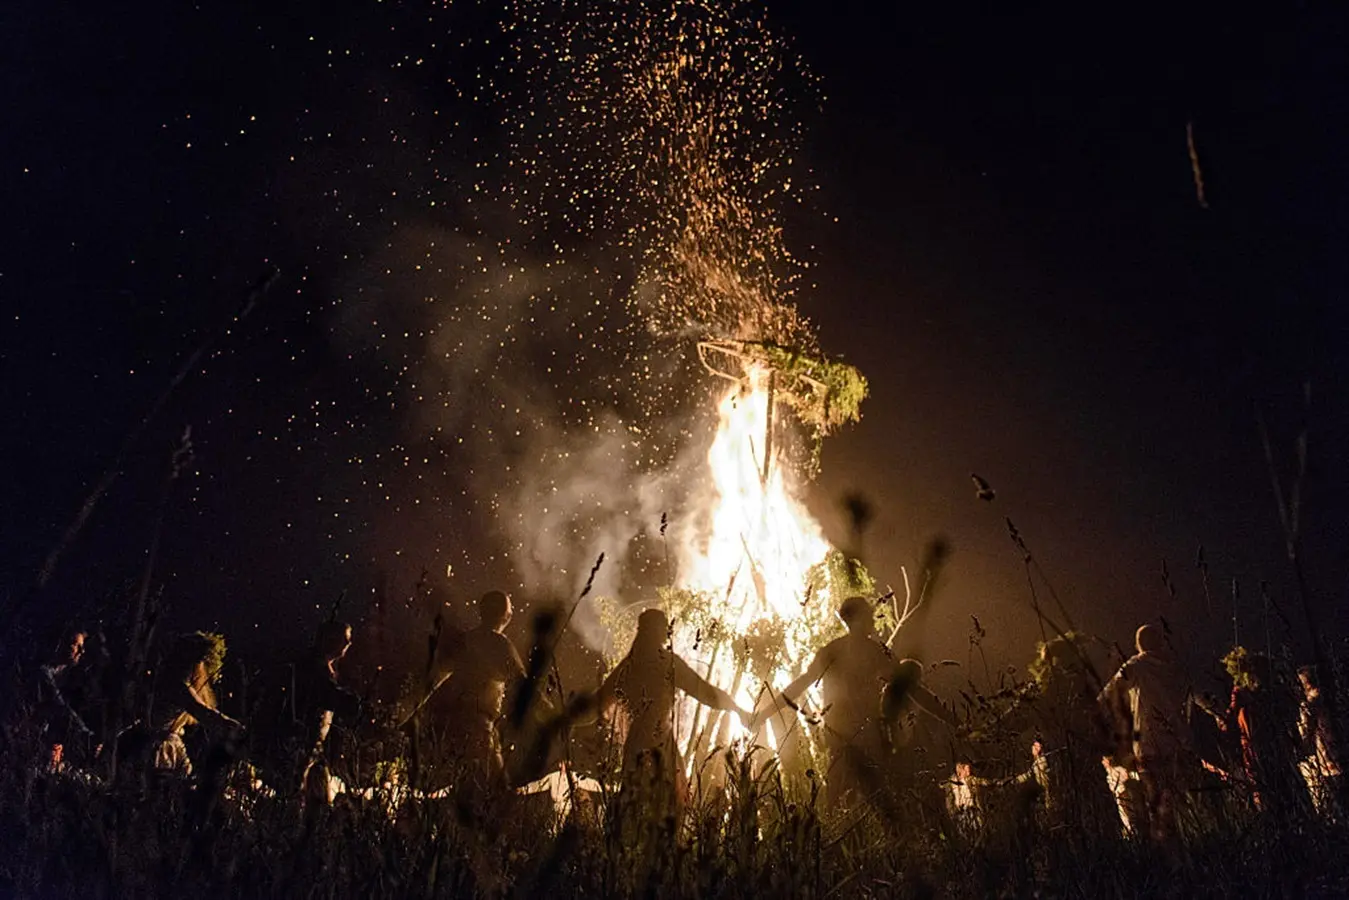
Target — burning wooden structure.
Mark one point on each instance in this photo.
(756, 588)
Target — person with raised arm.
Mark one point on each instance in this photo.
(870, 699)
(639, 695)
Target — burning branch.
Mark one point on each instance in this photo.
(823, 393)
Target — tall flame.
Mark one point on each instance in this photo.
(762, 544)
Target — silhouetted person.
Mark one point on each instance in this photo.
(291, 732)
(1147, 698)
(870, 699)
(61, 690)
(1074, 735)
(641, 691)
(1263, 718)
(908, 709)
(1320, 764)
(184, 696)
(468, 703)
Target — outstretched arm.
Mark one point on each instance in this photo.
(1112, 695)
(200, 709)
(931, 704)
(606, 698)
(1114, 702)
(814, 672)
(1209, 706)
(706, 693)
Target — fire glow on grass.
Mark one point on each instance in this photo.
(754, 567)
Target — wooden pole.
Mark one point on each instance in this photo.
(768, 429)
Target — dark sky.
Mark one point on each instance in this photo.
(1019, 265)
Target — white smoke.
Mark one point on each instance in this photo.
(480, 358)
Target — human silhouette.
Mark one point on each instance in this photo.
(291, 731)
(1264, 717)
(870, 704)
(639, 696)
(467, 705)
(1148, 699)
(1074, 735)
(1320, 764)
(185, 696)
(64, 682)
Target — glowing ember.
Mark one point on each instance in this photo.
(665, 134)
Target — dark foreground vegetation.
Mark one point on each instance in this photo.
(64, 838)
(69, 828)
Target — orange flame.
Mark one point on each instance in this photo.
(756, 558)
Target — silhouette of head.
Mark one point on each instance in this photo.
(653, 628)
(332, 640)
(494, 609)
(1151, 639)
(857, 615)
(1063, 654)
(895, 695)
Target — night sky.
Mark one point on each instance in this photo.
(1006, 240)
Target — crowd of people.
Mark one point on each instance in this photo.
(1145, 751)
(1125, 754)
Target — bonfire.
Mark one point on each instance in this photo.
(756, 582)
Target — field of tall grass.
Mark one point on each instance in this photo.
(754, 830)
